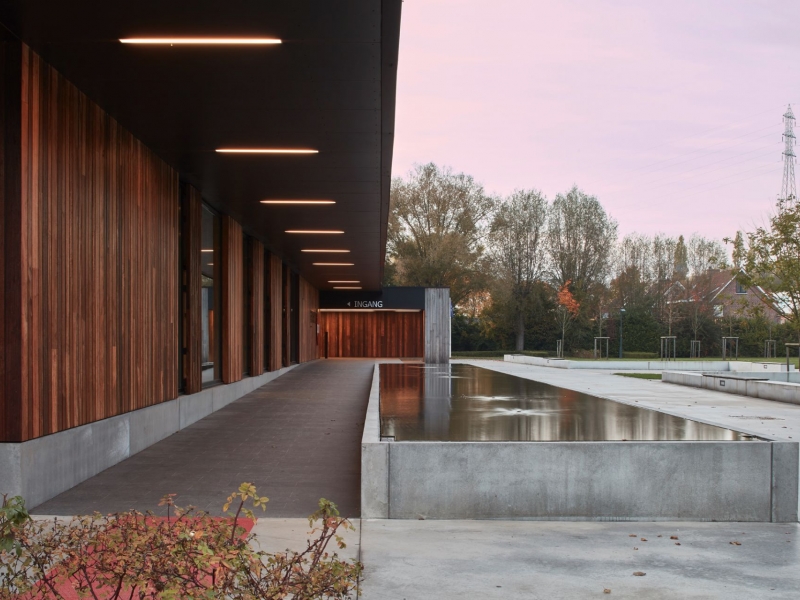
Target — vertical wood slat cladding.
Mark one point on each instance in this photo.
(191, 294)
(309, 315)
(10, 239)
(98, 220)
(256, 275)
(232, 300)
(372, 334)
(437, 325)
(286, 323)
(276, 312)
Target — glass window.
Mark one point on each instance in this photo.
(740, 289)
(211, 298)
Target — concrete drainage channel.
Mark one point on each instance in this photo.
(608, 480)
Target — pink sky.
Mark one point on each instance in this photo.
(668, 112)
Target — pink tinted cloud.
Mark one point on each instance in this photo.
(669, 112)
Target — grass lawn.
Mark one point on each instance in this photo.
(641, 375)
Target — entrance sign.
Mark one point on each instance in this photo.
(399, 298)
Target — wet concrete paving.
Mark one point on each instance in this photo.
(296, 438)
(453, 560)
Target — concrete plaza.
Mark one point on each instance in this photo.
(414, 559)
(420, 560)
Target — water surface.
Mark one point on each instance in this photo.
(467, 403)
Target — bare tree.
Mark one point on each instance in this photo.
(516, 237)
(663, 277)
(705, 255)
(580, 241)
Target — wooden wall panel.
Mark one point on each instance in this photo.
(98, 228)
(309, 313)
(286, 319)
(276, 312)
(232, 300)
(372, 334)
(191, 289)
(256, 274)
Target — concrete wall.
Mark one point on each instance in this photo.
(723, 481)
(437, 325)
(374, 459)
(703, 481)
(44, 467)
(647, 365)
(755, 385)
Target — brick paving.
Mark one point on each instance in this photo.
(297, 439)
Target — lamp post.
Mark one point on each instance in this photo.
(621, 313)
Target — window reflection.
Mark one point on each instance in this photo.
(210, 297)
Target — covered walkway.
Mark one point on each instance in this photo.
(297, 439)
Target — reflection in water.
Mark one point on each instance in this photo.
(466, 403)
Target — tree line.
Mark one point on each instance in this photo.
(526, 272)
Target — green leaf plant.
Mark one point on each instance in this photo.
(188, 554)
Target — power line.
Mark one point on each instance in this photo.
(727, 141)
(682, 195)
(764, 155)
(691, 137)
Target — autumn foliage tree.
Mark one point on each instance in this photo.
(568, 309)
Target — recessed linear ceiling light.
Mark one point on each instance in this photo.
(343, 281)
(298, 201)
(267, 151)
(342, 287)
(210, 264)
(314, 231)
(206, 250)
(327, 251)
(203, 41)
(333, 264)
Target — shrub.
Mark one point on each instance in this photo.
(188, 554)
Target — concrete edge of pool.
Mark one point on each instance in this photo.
(638, 481)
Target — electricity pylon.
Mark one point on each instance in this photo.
(789, 188)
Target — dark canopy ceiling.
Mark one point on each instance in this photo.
(329, 86)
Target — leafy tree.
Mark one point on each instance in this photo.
(681, 260)
(640, 331)
(469, 333)
(772, 261)
(437, 226)
(739, 251)
(515, 241)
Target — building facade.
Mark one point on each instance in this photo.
(176, 188)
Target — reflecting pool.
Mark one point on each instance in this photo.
(468, 403)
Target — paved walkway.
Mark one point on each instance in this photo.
(298, 438)
(525, 560)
